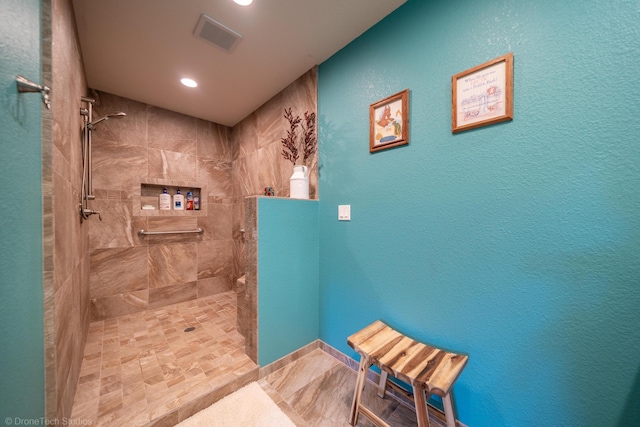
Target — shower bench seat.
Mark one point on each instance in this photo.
(429, 370)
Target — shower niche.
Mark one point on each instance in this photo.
(146, 197)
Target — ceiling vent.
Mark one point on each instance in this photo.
(217, 33)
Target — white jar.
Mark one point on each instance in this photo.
(299, 183)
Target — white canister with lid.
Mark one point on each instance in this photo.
(299, 183)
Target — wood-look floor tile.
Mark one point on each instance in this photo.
(109, 402)
(141, 367)
(299, 373)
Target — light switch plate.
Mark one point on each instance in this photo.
(344, 212)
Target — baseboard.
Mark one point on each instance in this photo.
(289, 358)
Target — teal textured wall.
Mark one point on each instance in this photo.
(517, 243)
(288, 306)
(21, 317)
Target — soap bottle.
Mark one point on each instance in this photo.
(178, 201)
(165, 201)
(189, 201)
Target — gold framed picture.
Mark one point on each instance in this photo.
(483, 95)
(389, 122)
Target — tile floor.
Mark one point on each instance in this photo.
(143, 369)
(317, 390)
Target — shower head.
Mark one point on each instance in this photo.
(111, 115)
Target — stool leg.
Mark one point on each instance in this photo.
(422, 412)
(449, 414)
(365, 364)
(382, 384)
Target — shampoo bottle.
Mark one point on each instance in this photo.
(165, 201)
(190, 201)
(178, 201)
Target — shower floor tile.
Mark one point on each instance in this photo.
(144, 367)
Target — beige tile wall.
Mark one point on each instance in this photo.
(101, 269)
(258, 164)
(258, 161)
(68, 322)
(151, 145)
(128, 272)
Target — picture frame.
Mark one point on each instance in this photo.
(483, 95)
(389, 122)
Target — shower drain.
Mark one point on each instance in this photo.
(190, 328)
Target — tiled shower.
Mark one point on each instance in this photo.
(105, 269)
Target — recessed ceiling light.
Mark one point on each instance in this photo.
(189, 82)
(243, 2)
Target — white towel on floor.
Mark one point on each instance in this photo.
(248, 407)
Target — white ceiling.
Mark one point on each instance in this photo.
(140, 49)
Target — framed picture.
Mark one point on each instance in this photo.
(483, 95)
(389, 122)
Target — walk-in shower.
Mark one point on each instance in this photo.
(87, 184)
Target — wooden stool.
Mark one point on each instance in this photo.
(429, 370)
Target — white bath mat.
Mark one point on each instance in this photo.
(248, 407)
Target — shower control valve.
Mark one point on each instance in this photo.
(87, 212)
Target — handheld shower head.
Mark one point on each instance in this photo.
(111, 115)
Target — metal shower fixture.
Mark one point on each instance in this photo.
(114, 115)
(87, 184)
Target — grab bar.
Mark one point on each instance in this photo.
(155, 233)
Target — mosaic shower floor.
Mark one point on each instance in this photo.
(151, 368)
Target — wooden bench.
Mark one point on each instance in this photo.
(429, 370)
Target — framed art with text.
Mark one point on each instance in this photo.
(483, 95)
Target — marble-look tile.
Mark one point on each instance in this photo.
(238, 218)
(120, 304)
(61, 164)
(405, 417)
(171, 131)
(118, 228)
(85, 406)
(215, 258)
(271, 124)
(216, 175)
(245, 137)
(128, 130)
(238, 257)
(69, 341)
(118, 270)
(153, 144)
(299, 373)
(282, 404)
(218, 222)
(171, 264)
(133, 363)
(166, 295)
(246, 180)
(319, 408)
(171, 165)
(213, 285)
(213, 141)
(269, 165)
(185, 146)
(116, 167)
(50, 367)
(64, 218)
